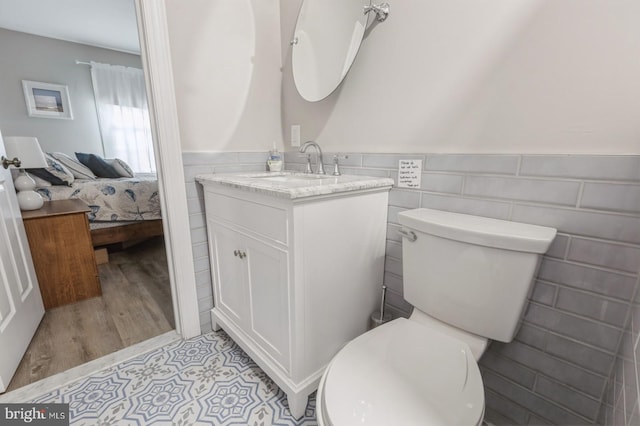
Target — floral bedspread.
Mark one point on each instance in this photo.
(112, 200)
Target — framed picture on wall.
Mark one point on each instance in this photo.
(47, 100)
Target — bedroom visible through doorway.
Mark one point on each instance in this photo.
(137, 302)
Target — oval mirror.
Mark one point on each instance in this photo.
(327, 37)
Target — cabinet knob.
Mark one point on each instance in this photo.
(242, 254)
(236, 253)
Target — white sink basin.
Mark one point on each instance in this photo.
(294, 177)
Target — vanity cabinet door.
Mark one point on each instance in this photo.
(251, 288)
(268, 288)
(230, 293)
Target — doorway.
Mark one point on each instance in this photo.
(164, 121)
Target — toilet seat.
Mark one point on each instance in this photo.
(402, 373)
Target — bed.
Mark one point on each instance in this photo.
(122, 209)
(107, 233)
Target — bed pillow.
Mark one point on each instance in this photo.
(79, 170)
(40, 183)
(121, 167)
(97, 165)
(55, 172)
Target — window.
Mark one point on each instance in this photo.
(123, 114)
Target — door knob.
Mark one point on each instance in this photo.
(6, 162)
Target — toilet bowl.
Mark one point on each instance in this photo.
(402, 373)
(468, 279)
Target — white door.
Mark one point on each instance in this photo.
(21, 307)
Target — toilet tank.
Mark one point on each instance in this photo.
(472, 272)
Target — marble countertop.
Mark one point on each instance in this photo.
(293, 185)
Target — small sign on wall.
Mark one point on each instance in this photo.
(409, 173)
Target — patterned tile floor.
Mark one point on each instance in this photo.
(207, 380)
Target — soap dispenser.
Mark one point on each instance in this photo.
(275, 160)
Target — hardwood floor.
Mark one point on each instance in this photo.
(135, 305)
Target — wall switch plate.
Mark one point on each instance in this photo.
(295, 135)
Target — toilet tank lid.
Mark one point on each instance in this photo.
(483, 231)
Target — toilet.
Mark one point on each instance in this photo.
(468, 279)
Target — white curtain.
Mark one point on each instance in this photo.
(121, 100)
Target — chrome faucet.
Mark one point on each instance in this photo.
(319, 160)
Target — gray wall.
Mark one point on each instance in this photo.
(622, 397)
(28, 57)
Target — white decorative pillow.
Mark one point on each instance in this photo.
(55, 173)
(79, 170)
(121, 167)
(40, 183)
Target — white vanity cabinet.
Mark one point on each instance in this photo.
(294, 279)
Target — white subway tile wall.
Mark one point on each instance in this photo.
(576, 358)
